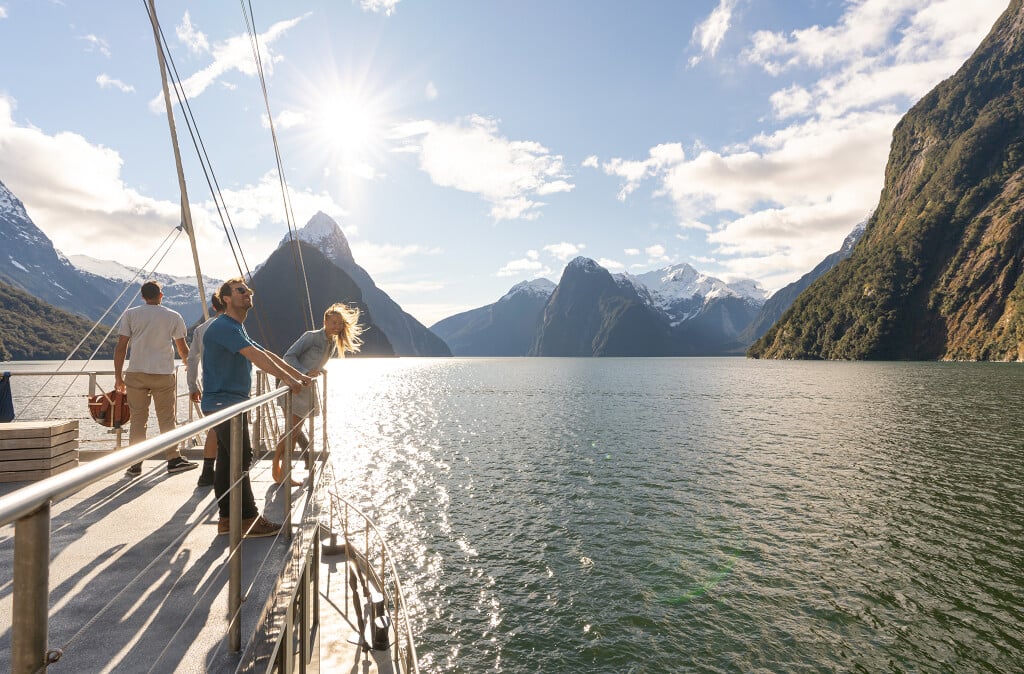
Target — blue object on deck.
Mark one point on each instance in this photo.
(6, 399)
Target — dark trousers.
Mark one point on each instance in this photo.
(222, 472)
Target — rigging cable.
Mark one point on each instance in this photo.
(127, 285)
(289, 214)
(207, 165)
(200, 147)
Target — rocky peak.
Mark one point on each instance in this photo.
(323, 233)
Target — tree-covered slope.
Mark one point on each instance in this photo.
(31, 329)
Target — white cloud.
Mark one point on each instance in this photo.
(286, 119)
(191, 37)
(793, 100)
(632, 252)
(96, 43)
(431, 92)
(775, 204)
(591, 161)
(634, 172)
(386, 7)
(611, 265)
(233, 55)
(386, 258)
(470, 155)
(525, 265)
(564, 251)
(709, 33)
(655, 252)
(73, 190)
(3, 12)
(106, 82)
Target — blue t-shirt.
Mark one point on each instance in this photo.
(227, 374)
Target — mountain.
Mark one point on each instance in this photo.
(30, 262)
(505, 328)
(181, 293)
(279, 313)
(408, 336)
(938, 273)
(708, 314)
(591, 313)
(36, 330)
(669, 312)
(785, 296)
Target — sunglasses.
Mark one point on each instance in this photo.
(243, 290)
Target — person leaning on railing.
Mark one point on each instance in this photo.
(228, 356)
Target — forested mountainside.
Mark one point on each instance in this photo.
(937, 274)
(35, 330)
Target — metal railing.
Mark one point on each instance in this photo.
(93, 388)
(29, 508)
(366, 548)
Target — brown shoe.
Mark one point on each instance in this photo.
(253, 527)
(258, 527)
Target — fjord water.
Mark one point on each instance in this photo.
(709, 515)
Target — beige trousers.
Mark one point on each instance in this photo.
(142, 387)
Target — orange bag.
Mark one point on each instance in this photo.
(110, 409)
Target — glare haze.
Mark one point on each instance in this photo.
(466, 146)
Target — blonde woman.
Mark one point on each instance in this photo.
(309, 354)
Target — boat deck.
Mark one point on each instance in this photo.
(138, 580)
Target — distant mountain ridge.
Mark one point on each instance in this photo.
(407, 335)
(181, 293)
(778, 303)
(505, 328)
(591, 312)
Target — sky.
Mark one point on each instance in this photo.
(465, 146)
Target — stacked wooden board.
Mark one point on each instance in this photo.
(32, 450)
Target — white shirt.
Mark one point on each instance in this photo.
(151, 330)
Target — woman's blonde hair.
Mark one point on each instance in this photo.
(348, 339)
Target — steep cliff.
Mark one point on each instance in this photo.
(938, 273)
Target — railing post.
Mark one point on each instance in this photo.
(323, 422)
(235, 535)
(31, 592)
(286, 464)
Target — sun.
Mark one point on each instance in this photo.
(346, 124)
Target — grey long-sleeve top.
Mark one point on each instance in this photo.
(311, 351)
(195, 355)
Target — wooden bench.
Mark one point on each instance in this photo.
(32, 450)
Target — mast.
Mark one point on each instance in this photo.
(186, 212)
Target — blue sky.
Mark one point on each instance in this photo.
(465, 146)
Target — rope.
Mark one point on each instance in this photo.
(289, 214)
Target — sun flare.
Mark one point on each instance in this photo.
(346, 124)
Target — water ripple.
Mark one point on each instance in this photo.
(712, 515)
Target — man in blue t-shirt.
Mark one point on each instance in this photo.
(228, 356)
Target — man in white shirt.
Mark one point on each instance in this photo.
(151, 329)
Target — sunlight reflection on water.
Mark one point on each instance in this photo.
(693, 514)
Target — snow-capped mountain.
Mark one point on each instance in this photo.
(683, 293)
(672, 311)
(29, 261)
(181, 293)
(407, 335)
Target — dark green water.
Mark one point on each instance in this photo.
(707, 515)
